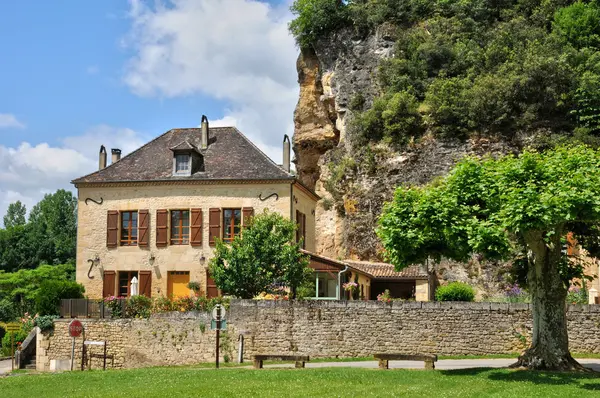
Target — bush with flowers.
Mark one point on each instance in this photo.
(115, 306)
(272, 296)
(385, 297)
(577, 295)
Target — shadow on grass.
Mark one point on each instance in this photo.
(588, 381)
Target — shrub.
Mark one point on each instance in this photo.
(316, 19)
(138, 307)
(47, 300)
(162, 304)
(455, 291)
(8, 312)
(385, 297)
(577, 295)
(115, 305)
(19, 337)
(45, 322)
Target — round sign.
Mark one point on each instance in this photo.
(75, 328)
(217, 307)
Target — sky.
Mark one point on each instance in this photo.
(78, 74)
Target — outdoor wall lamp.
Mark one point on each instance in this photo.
(151, 260)
(202, 259)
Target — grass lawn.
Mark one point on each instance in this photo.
(326, 382)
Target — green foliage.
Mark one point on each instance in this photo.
(455, 291)
(265, 254)
(15, 215)
(316, 18)
(195, 286)
(45, 322)
(579, 23)
(138, 307)
(577, 295)
(21, 288)
(47, 300)
(18, 337)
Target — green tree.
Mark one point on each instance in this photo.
(15, 215)
(266, 253)
(54, 222)
(50, 292)
(518, 208)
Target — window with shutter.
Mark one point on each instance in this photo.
(129, 228)
(145, 283)
(143, 227)
(180, 227)
(196, 227)
(112, 228)
(108, 288)
(232, 224)
(162, 219)
(301, 228)
(214, 225)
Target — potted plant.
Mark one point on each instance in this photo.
(195, 287)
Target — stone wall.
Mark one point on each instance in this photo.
(322, 329)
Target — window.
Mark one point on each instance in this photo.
(325, 285)
(232, 222)
(301, 228)
(125, 278)
(180, 227)
(129, 228)
(182, 164)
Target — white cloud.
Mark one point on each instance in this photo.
(239, 51)
(27, 172)
(7, 121)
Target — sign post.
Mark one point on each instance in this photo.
(12, 328)
(75, 330)
(218, 313)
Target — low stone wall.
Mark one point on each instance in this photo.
(321, 329)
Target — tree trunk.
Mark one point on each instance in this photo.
(549, 348)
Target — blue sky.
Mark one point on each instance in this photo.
(76, 74)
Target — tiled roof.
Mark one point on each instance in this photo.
(229, 156)
(384, 270)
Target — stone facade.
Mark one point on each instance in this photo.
(92, 226)
(321, 329)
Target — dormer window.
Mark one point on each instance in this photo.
(182, 164)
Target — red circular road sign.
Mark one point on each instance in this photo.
(75, 328)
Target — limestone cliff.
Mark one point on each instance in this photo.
(355, 179)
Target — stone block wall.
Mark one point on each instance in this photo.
(320, 329)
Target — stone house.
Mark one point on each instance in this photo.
(156, 213)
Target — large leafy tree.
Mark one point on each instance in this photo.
(515, 207)
(15, 215)
(266, 253)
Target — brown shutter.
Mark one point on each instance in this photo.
(143, 226)
(145, 283)
(108, 289)
(112, 228)
(303, 231)
(214, 226)
(211, 287)
(196, 227)
(298, 232)
(162, 220)
(247, 213)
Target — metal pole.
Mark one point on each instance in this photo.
(218, 332)
(104, 366)
(72, 353)
(12, 351)
(241, 349)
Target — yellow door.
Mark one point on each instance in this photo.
(177, 284)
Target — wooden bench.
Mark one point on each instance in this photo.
(299, 359)
(429, 359)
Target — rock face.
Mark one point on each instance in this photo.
(332, 74)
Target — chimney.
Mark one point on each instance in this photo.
(286, 153)
(116, 155)
(204, 140)
(102, 160)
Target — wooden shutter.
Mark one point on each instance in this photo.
(108, 288)
(247, 213)
(112, 228)
(162, 222)
(211, 287)
(298, 232)
(303, 230)
(214, 226)
(143, 226)
(196, 227)
(145, 283)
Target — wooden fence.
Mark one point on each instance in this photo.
(85, 308)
